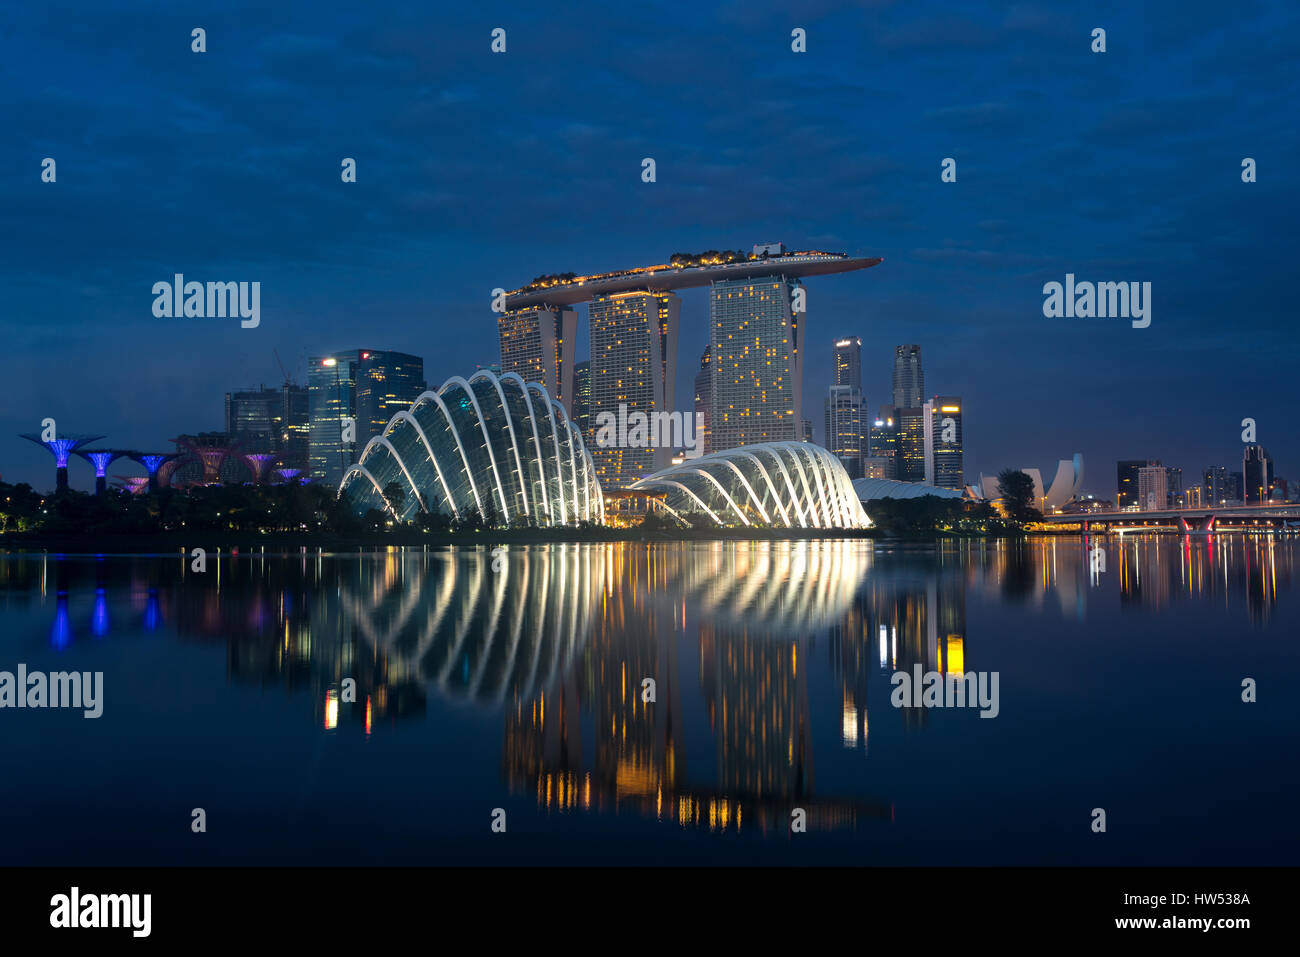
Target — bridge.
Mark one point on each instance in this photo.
(1267, 516)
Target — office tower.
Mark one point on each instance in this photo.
(537, 343)
(1215, 484)
(1174, 485)
(704, 401)
(884, 442)
(909, 381)
(844, 431)
(272, 422)
(363, 386)
(1153, 488)
(1257, 474)
(255, 418)
(295, 427)
(1126, 472)
(756, 344)
(942, 422)
(385, 383)
(911, 444)
(848, 362)
(633, 369)
(1235, 486)
(582, 399)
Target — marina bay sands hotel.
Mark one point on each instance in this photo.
(751, 379)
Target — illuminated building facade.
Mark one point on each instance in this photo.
(486, 448)
(1257, 474)
(844, 428)
(1126, 480)
(704, 400)
(942, 421)
(537, 344)
(911, 444)
(757, 362)
(884, 444)
(1153, 488)
(633, 369)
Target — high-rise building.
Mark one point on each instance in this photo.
(909, 380)
(1126, 472)
(537, 343)
(386, 383)
(1235, 486)
(1153, 488)
(757, 360)
(633, 369)
(884, 443)
(1215, 484)
(911, 444)
(1174, 486)
(366, 387)
(704, 401)
(270, 421)
(1257, 474)
(848, 362)
(809, 431)
(582, 399)
(844, 430)
(942, 422)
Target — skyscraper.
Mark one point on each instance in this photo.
(704, 401)
(756, 347)
(1174, 485)
(275, 421)
(909, 380)
(1126, 474)
(1257, 474)
(633, 369)
(844, 429)
(884, 443)
(582, 399)
(911, 444)
(365, 387)
(537, 343)
(1153, 488)
(1215, 485)
(848, 362)
(942, 422)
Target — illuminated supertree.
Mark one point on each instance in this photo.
(101, 459)
(260, 462)
(288, 475)
(153, 463)
(210, 450)
(61, 449)
(135, 484)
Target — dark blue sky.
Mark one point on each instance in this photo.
(478, 170)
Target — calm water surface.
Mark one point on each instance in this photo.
(520, 687)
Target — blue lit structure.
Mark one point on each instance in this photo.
(61, 449)
(152, 462)
(101, 459)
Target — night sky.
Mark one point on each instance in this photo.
(478, 170)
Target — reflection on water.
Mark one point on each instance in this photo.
(768, 659)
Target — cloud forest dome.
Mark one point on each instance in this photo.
(777, 484)
(487, 446)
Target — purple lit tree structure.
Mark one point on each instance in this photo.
(101, 459)
(288, 475)
(260, 462)
(153, 463)
(135, 484)
(210, 450)
(61, 449)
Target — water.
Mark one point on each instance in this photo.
(520, 688)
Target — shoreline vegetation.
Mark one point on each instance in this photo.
(293, 517)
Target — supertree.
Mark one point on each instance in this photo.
(61, 449)
(101, 459)
(153, 463)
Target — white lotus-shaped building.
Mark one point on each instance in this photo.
(484, 447)
(777, 484)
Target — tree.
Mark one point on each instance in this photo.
(395, 496)
(1018, 496)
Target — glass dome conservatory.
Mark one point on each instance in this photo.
(778, 484)
(488, 446)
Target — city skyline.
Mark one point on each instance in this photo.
(407, 256)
